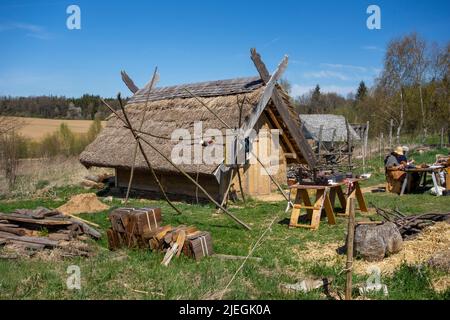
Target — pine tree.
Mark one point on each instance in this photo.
(316, 99)
(362, 92)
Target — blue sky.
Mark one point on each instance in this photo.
(327, 42)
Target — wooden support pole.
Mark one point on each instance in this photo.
(197, 184)
(127, 124)
(366, 138)
(319, 144)
(133, 164)
(350, 239)
(391, 126)
(332, 138)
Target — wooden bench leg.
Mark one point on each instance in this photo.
(405, 183)
(360, 198)
(315, 219)
(329, 210)
(342, 199)
(306, 201)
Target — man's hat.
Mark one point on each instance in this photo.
(399, 150)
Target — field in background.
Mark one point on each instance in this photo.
(38, 128)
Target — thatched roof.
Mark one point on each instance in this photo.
(171, 108)
(329, 122)
(200, 89)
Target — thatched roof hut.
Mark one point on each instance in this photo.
(171, 108)
(334, 127)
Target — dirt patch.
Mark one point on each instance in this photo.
(419, 250)
(83, 203)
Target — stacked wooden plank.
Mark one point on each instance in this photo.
(142, 228)
(25, 227)
(131, 227)
(187, 239)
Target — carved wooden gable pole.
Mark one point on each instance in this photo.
(283, 110)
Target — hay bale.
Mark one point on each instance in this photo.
(374, 242)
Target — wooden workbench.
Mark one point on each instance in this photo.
(423, 177)
(325, 196)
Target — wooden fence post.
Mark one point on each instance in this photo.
(391, 125)
(350, 237)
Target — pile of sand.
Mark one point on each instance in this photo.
(417, 251)
(83, 203)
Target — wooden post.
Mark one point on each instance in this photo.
(442, 138)
(381, 146)
(350, 238)
(332, 138)
(366, 137)
(349, 145)
(319, 144)
(391, 125)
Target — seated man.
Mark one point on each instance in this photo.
(394, 170)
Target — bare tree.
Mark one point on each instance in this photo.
(419, 71)
(397, 75)
(9, 148)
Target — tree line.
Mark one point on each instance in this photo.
(411, 94)
(87, 107)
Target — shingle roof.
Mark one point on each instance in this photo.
(200, 89)
(330, 122)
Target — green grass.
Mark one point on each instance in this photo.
(117, 275)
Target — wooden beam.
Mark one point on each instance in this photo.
(283, 110)
(278, 126)
(128, 82)
(265, 97)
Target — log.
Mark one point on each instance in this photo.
(13, 230)
(28, 245)
(374, 242)
(37, 240)
(85, 228)
(40, 222)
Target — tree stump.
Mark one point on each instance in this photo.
(374, 242)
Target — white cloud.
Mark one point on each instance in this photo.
(271, 42)
(372, 48)
(344, 66)
(31, 30)
(325, 74)
(298, 90)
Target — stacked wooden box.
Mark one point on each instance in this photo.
(142, 228)
(188, 240)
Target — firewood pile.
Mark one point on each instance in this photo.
(141, 228)
(410, 226)
(42, 228)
